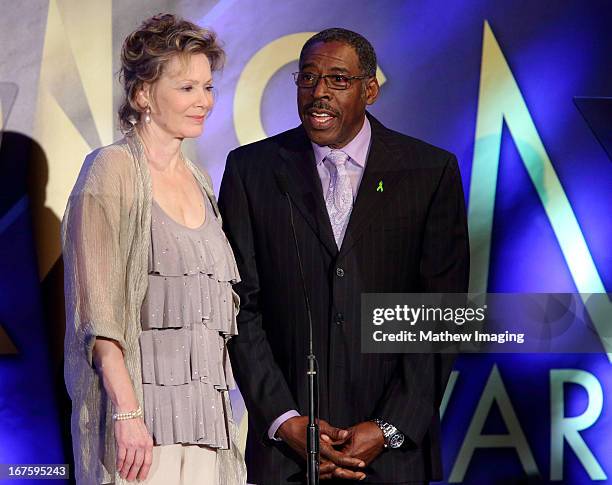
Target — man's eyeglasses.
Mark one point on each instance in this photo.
(333, 81)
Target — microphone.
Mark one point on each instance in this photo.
(312, 431)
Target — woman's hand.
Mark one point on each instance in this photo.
(134, 449)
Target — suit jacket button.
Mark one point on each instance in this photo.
(339, 318)
(339, 272)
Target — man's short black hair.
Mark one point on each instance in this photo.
(363, 48)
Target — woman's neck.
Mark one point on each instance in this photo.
(162, 150)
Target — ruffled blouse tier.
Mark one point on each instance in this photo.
(187, 317)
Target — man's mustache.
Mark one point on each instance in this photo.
(322, 106)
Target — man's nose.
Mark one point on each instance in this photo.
(320, 89)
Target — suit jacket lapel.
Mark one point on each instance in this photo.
(383, 172)
(304, 187)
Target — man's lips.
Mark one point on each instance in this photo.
(320, 118)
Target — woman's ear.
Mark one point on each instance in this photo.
(143, 96)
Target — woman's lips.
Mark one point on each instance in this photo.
(197, 119)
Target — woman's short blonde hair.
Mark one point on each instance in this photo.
(147, 51)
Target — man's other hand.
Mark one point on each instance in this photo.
(364, 441)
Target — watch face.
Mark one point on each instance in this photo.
(396, 440)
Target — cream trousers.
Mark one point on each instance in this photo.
(182, 465)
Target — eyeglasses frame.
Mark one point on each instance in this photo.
(327, 83)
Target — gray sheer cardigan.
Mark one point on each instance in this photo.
(105, 239)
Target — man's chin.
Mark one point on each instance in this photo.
(320, 137)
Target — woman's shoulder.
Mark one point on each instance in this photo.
(113, 158)
(107, 166)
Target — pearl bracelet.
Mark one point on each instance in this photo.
(128, 415)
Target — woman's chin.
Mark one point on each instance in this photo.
(192, 132)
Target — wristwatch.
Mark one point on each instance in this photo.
(394, 438)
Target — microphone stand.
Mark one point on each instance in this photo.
(312, 431)
(312, 436)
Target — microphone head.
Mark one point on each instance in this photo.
(283, 185)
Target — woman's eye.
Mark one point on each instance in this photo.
(187, 88)
(210, 89)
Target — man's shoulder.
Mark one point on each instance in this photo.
(415, 148)
(409, 147)
(271, 146)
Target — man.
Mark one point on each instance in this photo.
(374, 211)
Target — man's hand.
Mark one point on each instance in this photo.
(334, 463)
(364, 441)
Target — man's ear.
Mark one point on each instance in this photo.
(372, 89)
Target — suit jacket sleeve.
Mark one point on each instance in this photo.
(260, 380)
(413, 398)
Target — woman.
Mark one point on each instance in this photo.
(148, 275)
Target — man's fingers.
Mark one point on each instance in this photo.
(328, 440)
(326, 467)
(342, 473)
(348, 474)
(340, 458)
(328, 470)
(336, 434)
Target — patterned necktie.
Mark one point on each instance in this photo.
(339, 198)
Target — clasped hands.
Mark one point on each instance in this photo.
(344, 452)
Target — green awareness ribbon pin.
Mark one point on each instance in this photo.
(380, 186)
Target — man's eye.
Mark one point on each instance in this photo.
(307, 76)
(340, 79)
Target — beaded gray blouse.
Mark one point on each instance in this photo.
(187, 317)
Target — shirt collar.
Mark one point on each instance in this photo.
(357, 148)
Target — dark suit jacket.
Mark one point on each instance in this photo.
(411, 237)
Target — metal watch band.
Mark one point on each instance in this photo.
(393, 437)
